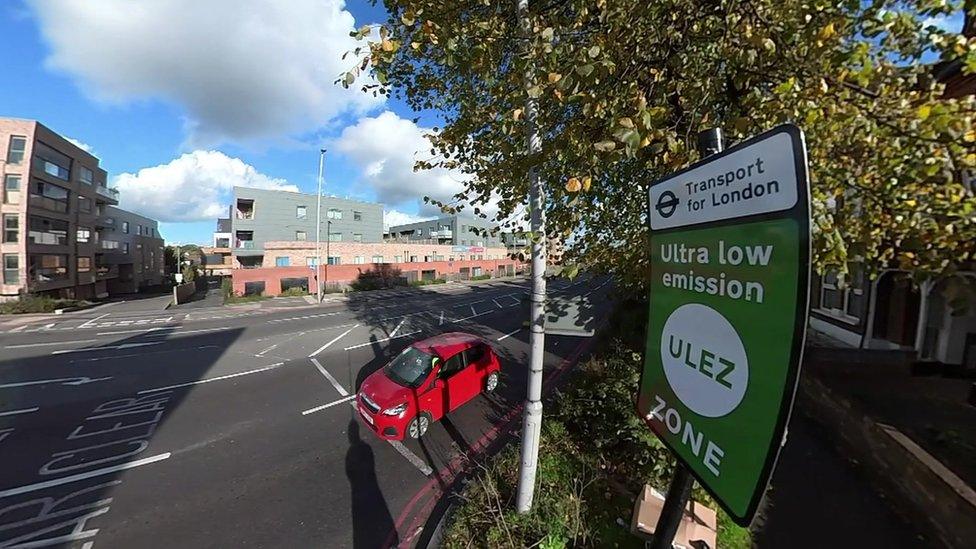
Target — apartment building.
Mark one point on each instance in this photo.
(455, 230)
(62, 234)
(259, 215)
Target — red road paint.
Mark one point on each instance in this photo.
(449, 472)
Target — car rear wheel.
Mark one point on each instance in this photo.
(418, 426)
(491, 382)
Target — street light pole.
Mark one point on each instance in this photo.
(532, 419)
(318, 231)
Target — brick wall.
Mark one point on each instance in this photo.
(343, 275)
(299, 252)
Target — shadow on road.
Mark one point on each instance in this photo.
(371, 518)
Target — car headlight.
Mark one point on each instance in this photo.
(397, 410)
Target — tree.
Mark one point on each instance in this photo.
(625, 87)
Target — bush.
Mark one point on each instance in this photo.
(293, 292)
(380, 277)
(227, 288)
(235, 299)
(36, 304)
(480, 277)
(416, 283)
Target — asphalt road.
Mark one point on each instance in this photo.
(130, 426)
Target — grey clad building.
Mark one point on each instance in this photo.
(454, 229)
(258, 215)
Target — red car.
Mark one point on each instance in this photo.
(426, 381)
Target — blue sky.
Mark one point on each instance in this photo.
(180, 102)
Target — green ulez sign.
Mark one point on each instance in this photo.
(730, 261)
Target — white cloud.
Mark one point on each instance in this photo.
(81, 145)
(385, 148)
(949, 23)
(241, 69)
(395, 217)
(193, 187)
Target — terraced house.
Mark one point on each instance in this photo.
(62, 232)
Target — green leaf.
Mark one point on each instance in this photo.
(594, 51)
(534, 92)
(348, 79)
(584, 70)
(605, 146)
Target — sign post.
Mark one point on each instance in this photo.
(730, 261)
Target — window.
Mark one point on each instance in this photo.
(311, 262)
(83, 235)
(335, 237)
(334, 260)
(357, 237)
(52, 162)
(377, 259)
(398, 259)
(359, 260)
(50, 197)
(452, 366)
(11, 189)
(301, 212)
(49, 267)
(301, 235)
(84, 264)
(464, 242)
(334, 213)
(11, 229)
(125, 247)
(125, 227)
(48, 231)
(110, 245)
(11, 269)
(139, 230)
(86, 175)
(474, 354)
(15, 153)
(282, 261)
(84, 204)
(842, 299)
(357, 216)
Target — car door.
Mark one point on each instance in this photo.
(432, 394)
(458, 381)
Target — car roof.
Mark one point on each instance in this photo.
(447, 345)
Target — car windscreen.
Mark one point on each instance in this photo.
(410, 368)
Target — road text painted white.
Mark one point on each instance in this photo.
(329, 405)
(329, 344)
(92, 321)
(229, 376)
(82, 476)
(60, 381)
(17, 412)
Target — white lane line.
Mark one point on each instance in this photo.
(411, 457)
(474, 316)
(228, 376)
(381, 340)
(59, 381)
(397, 329)
(509, 334)
(4, 433)
(184, 331)
(335, 382)
(21, 411)
(82, 476)
(442, 319)
(26, 345)
(329, 344)
(106, 348)
(120, 332)
(48, 326)
(17, 329)
(130, 355)
(329, 405)
(303, 317)
(497, 304)
(92, 321)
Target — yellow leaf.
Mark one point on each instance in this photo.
(517, 114)
(970, 136)
(911, 203)
(924, 111)
(573, 185)
(587, 181)
(626, 122)
(554, 77)
(827, 32)
(387, 45)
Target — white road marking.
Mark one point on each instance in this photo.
(497, 304)
(228, 376)
(335, 383)
(473, 312)
(509, 334)
(17, 329)
(26, 345)
(303, 317)
(474, 316)
(329, 405)
(105, 348)
(21, 411)
(61, 381)
(149, 330)
(442, 319)
(92, 321)
(4, 433)
(397, 329)
(117, 357)
(337, 338)
(48, 326)
(82, 476)
(411, 457)
(380, 340)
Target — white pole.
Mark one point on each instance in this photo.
(318, 231)
(532, 420)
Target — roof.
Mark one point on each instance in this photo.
(447, 345)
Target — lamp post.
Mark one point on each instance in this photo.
(318, 230)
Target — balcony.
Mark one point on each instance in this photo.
(106, 271)
(245, 245)
(108, 192)
(443, 233)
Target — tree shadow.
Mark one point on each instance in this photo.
(371, 518)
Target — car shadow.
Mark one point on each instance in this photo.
(371, 518)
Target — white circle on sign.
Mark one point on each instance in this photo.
(704, 360)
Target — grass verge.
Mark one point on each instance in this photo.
(238, 299)
(37, 304)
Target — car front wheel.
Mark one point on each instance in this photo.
(491, 382)
(418, 426)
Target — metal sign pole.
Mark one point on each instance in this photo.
(710, 142)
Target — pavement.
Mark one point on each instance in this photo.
(130, 426)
